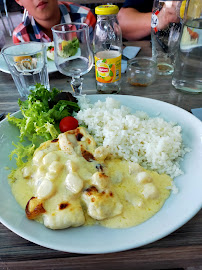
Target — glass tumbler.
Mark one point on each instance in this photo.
(27, 63)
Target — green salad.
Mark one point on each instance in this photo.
(66, 48)
(41, 114)
(70, 47)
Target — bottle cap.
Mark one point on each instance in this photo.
(106, 10)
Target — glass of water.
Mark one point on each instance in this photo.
(187, 75)
(27, 63)
(72, 53)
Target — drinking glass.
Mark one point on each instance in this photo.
(187, 74)
(72, 53)
(27, 63)
(165, 33)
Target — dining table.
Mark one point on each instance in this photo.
(182, 249)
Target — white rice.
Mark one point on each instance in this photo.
(152, 142)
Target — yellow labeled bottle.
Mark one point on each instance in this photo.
(107, 46)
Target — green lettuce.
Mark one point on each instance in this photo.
(40, 120)
(71, 48)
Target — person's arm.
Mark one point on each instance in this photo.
(134, 24)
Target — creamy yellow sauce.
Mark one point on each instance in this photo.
(131, 215)
(123, 186)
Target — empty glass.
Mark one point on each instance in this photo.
(141, 71)
(72, 53)
(27, 63)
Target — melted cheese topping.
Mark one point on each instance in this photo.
(69, 183)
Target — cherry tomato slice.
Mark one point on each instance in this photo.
(68, 123)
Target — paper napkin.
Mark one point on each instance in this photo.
(129, 52)
(197, 112)
(123, 66)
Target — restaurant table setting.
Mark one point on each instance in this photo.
(184, 241)
(170, 239)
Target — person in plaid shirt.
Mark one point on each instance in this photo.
(44, 14)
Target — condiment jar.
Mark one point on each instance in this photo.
(141, 71)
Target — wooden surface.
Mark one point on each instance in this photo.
(180, 250)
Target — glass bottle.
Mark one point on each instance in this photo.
(165, 33)
(107, 46)
(188, 65)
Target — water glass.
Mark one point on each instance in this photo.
(187, 75)
(73, 56)
(165, 33)
(27, 63)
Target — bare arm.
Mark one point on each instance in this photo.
(134, 24)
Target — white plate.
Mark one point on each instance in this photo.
(177, 210)
(50, 65)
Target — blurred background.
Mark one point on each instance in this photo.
(11, 15)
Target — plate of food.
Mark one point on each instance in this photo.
(117, 173)
(50, 61)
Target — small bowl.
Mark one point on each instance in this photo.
(141, 71)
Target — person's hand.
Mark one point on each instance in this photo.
(168, 14)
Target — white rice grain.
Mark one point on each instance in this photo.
(152, 142)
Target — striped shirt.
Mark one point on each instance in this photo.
(30, 30)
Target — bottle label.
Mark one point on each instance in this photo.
(155, 21)
(108, 70)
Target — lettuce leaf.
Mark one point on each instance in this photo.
(39, 121)
(71, 48)
(22, 152)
